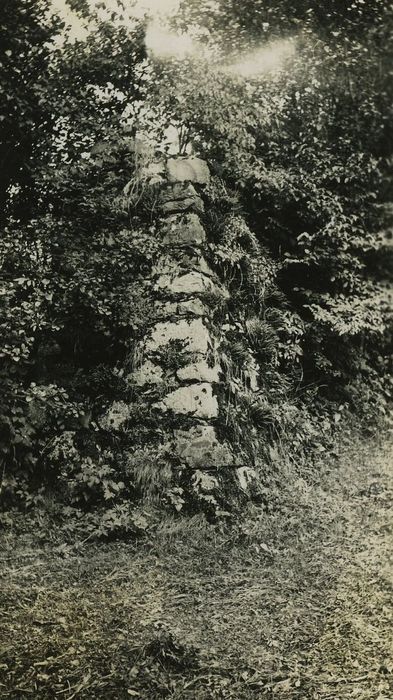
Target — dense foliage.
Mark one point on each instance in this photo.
(24, 58)
(302, 154)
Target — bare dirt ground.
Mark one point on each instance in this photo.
(297, 602)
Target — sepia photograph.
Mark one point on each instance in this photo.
(196, 349)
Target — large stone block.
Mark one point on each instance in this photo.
(191, 308)
(166, 265)
(177, 191)
(175, 266)
(192, 261)
(183, 230)
(199, 372)
(199, 448)
(188, 169)
(191, 283)
(192, 204)
(196, 400)
(180, 197)
(194, 334)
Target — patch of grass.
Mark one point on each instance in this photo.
(293, 602)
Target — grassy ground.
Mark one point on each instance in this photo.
(295, 603)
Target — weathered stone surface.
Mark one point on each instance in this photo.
(247, 478)
(190, 283)
(199, 372)
(188, 170)
(191, 204)
(194, 334)
(167, 310)
(197, 263)
(169, 265)
(192, 307)
(115, 416)
(180, 309)
(166, 265)
(187, 294)
(199, 448)
(178, 190)
(183, 230)
(195, 399)
(148, 373)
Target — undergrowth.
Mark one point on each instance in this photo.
(281, 604)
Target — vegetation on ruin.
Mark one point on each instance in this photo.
(297, 216)
(125, 574)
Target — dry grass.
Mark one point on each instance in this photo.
(295, 603)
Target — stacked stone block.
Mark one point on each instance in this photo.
(181, 279)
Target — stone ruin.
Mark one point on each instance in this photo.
(182, 280)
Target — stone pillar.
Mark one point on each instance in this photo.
(182, 279)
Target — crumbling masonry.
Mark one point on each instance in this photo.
(182, 283)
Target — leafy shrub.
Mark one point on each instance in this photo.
(295, 214)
